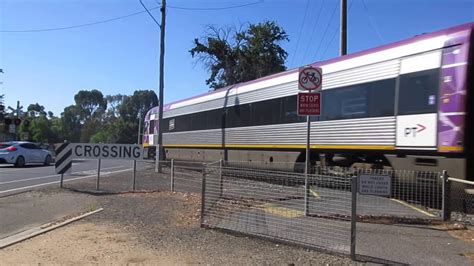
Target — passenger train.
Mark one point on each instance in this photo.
(407, 105)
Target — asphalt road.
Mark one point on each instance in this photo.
(14, 180)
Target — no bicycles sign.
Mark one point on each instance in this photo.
(310, 78)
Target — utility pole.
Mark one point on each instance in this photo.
(159, 148)
(343, 49)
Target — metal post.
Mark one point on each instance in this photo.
(61, 182)
(353, 216)
(172, 175)
(446, 204)
(307, 168)
(343, 27)
(203, 195)
(98, 175)
(221, 182)
(139, 126)
(159, 148)
(134, 174)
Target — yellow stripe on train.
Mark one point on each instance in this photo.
(283, 146)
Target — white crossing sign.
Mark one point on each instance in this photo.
(68, 151)
(379, 185)
(107, 151)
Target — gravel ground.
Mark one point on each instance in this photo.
(169, 222)
(163, 224)
(166, 227)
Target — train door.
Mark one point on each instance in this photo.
(417, 112)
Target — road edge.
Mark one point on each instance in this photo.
(13, 239)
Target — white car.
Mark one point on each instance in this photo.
(21, 153)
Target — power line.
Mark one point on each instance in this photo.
(301, 31)
(334, 35)
(372, 22)
(80, 25)
(148, 11)
(215, 8)
(124, 16)
(325, 31)
(314, 29)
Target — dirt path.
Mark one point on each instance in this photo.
(85, 243)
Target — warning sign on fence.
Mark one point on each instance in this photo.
(379, 185)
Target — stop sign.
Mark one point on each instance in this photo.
(309, 103)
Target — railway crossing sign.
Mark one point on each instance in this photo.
(68, 151)
(310, 78)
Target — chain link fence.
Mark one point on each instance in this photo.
(460, 200)
(275, 201)
(271, 204)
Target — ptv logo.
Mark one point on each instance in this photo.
(413, 131)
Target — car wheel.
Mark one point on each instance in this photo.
(20, 161)
(47, 161)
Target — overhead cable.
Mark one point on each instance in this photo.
(301, 31)
(325, 31)
(149, 13)
(122, 17)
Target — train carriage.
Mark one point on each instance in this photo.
(407, 105)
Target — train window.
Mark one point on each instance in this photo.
(198, 121)
(345, 103)
(152, 127)
(238, 116)
(266, 112)
(183, 123)
(418, 92)
(382, 98)
(214, 118)
(288, 110)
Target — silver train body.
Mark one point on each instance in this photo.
(407, 105)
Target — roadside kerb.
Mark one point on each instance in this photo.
(10, 240)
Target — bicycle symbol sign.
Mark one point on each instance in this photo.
(310, 78)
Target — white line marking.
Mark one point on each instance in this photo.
(65, 180)
(48, 176)
(414, 208)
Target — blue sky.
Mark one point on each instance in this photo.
(122, 56)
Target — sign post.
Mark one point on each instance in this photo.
(98, 175)
(309, 79)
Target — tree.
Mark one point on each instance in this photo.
(37, 127)
(35, 110)
(233, 56)
(90, 104)
(71, 124)
(135, 107)
(113, 104)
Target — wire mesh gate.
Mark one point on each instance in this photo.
(271, 204)
(320, 212)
